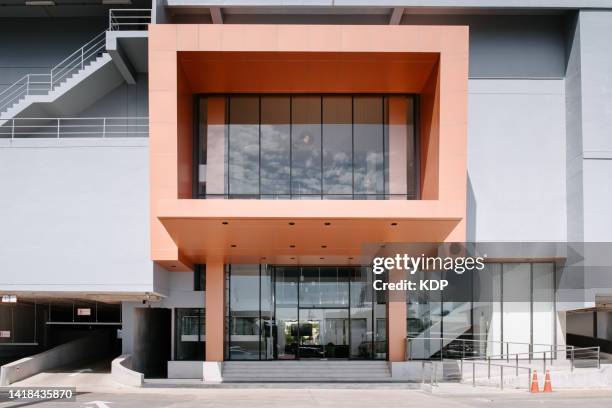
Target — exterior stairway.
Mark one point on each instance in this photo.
(57, 93)
(306, 371)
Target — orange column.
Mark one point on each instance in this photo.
(396, 319)
(215, 310)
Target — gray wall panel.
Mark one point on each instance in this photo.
(516, 160)
(598, 200)
(503, 46)
(75, 217)
(35, 45)
(596, 56)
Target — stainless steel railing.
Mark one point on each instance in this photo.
(43, 84)
(457, 348)
(591, 355)
(128, 19)
(63, 128)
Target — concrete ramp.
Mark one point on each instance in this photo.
(86, 349)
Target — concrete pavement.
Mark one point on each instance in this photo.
(366, 397)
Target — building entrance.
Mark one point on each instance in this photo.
(306, 312)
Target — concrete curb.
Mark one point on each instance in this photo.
(122, 373)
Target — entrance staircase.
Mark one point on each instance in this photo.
(306, 371)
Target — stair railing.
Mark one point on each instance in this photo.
(128, 19)
(30, 84)
(78, 59)
(41, 84)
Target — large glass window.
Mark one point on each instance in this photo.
(244, 145)
(306, 147)
(190, 336)
(368, 147)
(337, 146)
(275, 146)
(244, 308)
(285, 313)
(497, 311)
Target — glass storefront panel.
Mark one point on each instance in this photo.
(499, 310)
(285, 313)
(324, 287)
(189, 343)
(266, 345)
(324, 333)
(275, 146)
(486, 314)
(306, 147)
(337, 146)
(212, 148)
(362, 314)
(244, 308)
(244, 145)
(368, 147)
(286, 317)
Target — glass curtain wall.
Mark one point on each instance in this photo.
(498, 311)
(306, 147)
(288, 313)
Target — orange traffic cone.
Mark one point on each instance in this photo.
(534, 382)
(547, 383)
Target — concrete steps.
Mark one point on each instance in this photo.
(306, 371)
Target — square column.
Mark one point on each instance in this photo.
(396, 319)
(215, 311)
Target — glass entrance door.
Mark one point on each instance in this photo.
(324, 333)
(302, 312)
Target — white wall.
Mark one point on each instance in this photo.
(580, 323)
(75, 216)
(516, 160)
(604, 325)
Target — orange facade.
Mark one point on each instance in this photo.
(191, 59)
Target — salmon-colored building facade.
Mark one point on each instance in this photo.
(218, 61)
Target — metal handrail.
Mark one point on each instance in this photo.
(505, 345)
(105, 127)
(72, 64)
(501, 371)
(132, 19)
(572, 350)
